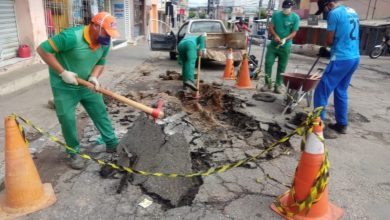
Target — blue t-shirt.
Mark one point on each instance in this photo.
(344, 22)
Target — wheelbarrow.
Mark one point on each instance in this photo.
(300, 86)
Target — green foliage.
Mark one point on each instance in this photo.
(191, 14)
(262, 13)
(202, 15)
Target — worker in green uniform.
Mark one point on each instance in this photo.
(189, 49)
(283, 29)
(80, 52)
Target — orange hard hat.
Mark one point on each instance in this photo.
(107, 22)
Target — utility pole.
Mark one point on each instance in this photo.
(270, 7)
(373, 12)
(368, 9)
(208, 7)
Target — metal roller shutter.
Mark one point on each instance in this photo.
(9, 41)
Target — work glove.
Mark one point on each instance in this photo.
(69, 77)
(324, 52)
(202, 53)
(277, 39)
(282, 41)
(95, 81)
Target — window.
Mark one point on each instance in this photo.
(206, 26)
(183, 30)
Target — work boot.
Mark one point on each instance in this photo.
(277, 90)
(330, 133)
(76, 162)
(185, 88)
(110, 150)
(191, 85)
(266, 88)
(341, 129)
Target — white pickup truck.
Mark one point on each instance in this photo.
(217, 42)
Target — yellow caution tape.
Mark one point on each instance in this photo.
(316, 190)
(301, 131)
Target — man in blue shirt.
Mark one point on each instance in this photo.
(343, 37)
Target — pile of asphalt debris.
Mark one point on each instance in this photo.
(196, 134)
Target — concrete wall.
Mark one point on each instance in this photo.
(30, 18)
(382, 8)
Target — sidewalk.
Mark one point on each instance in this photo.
(21, 78)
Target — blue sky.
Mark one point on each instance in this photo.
(197, 2)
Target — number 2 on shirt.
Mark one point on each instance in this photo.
(354, 24)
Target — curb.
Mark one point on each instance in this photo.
(23, 82)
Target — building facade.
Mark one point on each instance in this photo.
(22, 22)
(30, 22)
(367, 9)
(246, 9)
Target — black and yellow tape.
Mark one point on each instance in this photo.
(314, 196)
(317, 188)
(301, 131)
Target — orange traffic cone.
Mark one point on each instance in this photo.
(24, 192)
(308, 197)
(244, 79)
(229, 69)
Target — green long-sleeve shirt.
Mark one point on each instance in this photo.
(73, 51)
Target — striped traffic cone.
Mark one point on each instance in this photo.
(244, 79)
(308, 197)
(24, 192)
(229, 69)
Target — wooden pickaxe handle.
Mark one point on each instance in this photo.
(156, 113)
(198, 78)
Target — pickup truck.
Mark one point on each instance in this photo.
(218, 39)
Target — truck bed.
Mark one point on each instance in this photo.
(218, 43)
(236, 41)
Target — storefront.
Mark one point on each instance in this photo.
(139, 12)
(62, 14)
(9, 40)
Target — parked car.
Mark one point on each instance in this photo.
(217, 42)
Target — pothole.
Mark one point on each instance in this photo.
(194, 136)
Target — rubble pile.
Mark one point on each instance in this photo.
(194, 136)
(170, 75)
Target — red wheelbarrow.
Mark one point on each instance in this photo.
(300, 86)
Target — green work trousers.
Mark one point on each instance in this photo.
(66, 100)
(283, 54)
(187, 59)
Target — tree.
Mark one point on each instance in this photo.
(202, 15)
(191, 14)
(262, 13)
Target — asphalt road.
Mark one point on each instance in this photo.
(359, 183)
